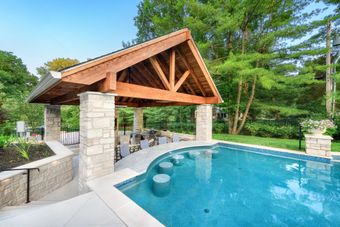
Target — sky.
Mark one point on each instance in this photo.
(38, 31)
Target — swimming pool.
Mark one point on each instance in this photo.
(242, 186)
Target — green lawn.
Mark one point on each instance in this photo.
(291, 144)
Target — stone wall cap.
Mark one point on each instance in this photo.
(60, 152)
(318, 136)
(97, 93)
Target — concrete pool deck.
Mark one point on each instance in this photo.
(105, 205)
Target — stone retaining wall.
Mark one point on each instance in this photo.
(55, 171)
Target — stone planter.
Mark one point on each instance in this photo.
(317, 131)
(55, 171)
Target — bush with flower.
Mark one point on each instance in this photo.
(317, 126)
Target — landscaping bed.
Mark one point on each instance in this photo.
(10, 157)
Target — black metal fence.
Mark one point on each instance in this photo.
(189, 127)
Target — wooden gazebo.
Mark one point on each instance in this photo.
(165, 71)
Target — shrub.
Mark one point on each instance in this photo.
(336, 131)
(22, 146)
(218, 127)
(5, 140)
(272, 130)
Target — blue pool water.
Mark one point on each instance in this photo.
(242, 188)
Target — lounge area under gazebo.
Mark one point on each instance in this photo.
(165, 71)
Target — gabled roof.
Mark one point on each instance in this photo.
(168, 70)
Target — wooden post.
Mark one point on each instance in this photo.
(172, 70)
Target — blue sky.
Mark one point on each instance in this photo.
(40, 30)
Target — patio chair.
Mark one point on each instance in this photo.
(175, 138)
(162, 140)
(124, 139)
(144, 144)
(124, 150)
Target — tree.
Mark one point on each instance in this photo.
(14, 75)
(246, 44)
(69, 114)
(3, 114)
(56, 65)
(16, 83)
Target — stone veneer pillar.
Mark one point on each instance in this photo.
(138, 123)
(97, 136)
(318, 145)
(204, 122)
(52, 122)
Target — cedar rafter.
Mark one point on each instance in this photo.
(162, 60)
(187, 65)
(155, 64)
(181, 80)
(142, 92)
(199, 59)
(172, 65)
(109, 83)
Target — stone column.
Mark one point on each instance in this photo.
(204, 122)
(52, 122)
(138, 123)
(97, 136)
(318, 145)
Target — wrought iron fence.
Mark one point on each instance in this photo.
(189, 127)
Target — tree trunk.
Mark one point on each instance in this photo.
(328, 71)
(250, 102)
(238, 101)
(229, 108)
(230, 123)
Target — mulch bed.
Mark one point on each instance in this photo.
(10, 158)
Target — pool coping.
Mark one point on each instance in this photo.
(137, 164)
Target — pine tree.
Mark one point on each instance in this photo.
(246, 44)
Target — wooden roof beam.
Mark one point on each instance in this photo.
(146, 70)
(109, 83)
(187, 65)
(181, 80)
(172, 65)
(95, 70)
(162, 60)
(149, 81)
(142, 92)
(202, 65)
(123, 75)
(155, 64)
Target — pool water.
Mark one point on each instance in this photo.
(242, 188)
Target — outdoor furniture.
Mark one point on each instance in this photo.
(177, 159)
(175, 138)
(162, 140)
(161, 184)
(124, 139)
(166, 168)
(132, 149)
(124, 150)
(144, 144)
(136, 137)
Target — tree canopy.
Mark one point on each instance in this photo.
(250, 47)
